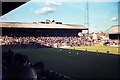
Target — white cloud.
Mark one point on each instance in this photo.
(114, 19)
(45, 10)
(3, 18)
(53, 3)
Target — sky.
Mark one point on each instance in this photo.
(102, 15)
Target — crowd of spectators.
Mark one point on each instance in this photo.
(47, 41)
(16, 66)
(51, 41)
(112, 42)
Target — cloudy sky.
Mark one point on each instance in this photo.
(102, 15)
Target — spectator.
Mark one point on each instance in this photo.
(40, 69)
(20, 70)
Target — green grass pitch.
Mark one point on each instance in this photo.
(103, 49)
(75, 63)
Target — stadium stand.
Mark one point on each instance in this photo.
(50, 41)
(39, 42)
(114, 32)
